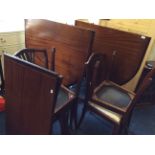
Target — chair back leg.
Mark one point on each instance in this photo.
(84, 110)
(117, 129)
(64, 123)
(74, 115)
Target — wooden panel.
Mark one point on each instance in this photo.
(29, 103)
(130, 49)
(72, 45)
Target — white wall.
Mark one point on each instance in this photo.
(8, 25)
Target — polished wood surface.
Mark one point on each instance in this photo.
(129, 49)
(72, 45)
(30, 97)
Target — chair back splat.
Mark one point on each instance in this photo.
(38, 56)
(94, 69)
(143, 87)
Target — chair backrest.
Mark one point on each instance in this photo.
(31, 93)
(142, 88)
(37, 56)
(94, 69)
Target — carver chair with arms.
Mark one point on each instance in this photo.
(109, 100)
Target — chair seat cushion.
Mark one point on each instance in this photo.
(114, 96)
(63, 99)
(114, 117)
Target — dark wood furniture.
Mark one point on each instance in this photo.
(73, 45)
(147, 68)
(38, 56)
(149, 95)
(34, 98)
(108, 99)
(129, 49)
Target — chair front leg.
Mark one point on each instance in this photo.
(84, 110)
(73, 114)
(64, 123)
(117, 129)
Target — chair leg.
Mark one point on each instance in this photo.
(82, 116)
(117, 130)
(51, 129)
(126, 125)
(73, 115)
(125, 130)
(64, 124)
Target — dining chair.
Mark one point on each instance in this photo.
(104, 73)
(35, 98)
(40, 57)
(107, 99)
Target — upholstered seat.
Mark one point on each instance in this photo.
(38, 56)
(114, 96)
(63, 99)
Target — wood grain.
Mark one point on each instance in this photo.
(72, 45)
(130, 50)
(29, 103)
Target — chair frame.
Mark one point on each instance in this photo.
(28, 54)
(92, 89)
(57, 114)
